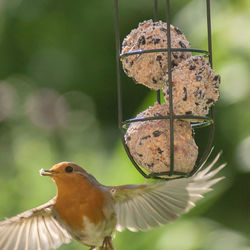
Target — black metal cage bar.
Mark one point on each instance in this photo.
(207, 120)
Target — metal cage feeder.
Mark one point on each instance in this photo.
(206, 120)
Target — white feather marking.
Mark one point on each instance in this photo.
(28, 234)
(58, 230)
(6, 234)
(93, 235)
(19, 236)
(11, 236)
(155, 211)
(38, 237)
(47, 233)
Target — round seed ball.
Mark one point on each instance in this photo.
(149, 142)
(150, 68)
(195, 87)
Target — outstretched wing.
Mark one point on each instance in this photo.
(142, 207)
(35, 229)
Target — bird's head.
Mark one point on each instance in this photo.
(64, 170)
(68, 172)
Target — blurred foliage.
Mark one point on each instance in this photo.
(58, 102)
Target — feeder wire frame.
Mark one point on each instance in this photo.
(207, 120)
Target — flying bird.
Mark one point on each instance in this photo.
(90, 212)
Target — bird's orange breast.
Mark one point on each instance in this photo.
(78, 199)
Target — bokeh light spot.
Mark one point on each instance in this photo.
(46, 109)
(81, 111)
(7, 100)
(243, 155)
(234, 86)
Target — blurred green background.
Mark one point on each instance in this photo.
(58, 103)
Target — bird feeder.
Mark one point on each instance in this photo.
(196, 121)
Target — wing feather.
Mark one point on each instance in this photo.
(154, 210)
(129, 206)
(10, 239)
(142, 207)
(19, 236)
(141, 221)
(26, 243)
(47, 232)
(35, 229)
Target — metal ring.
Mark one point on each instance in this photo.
(140, 51)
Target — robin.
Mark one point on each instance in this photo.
(90, 212)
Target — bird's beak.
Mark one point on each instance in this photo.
(44, 172)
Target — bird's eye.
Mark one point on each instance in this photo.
(68, 169)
